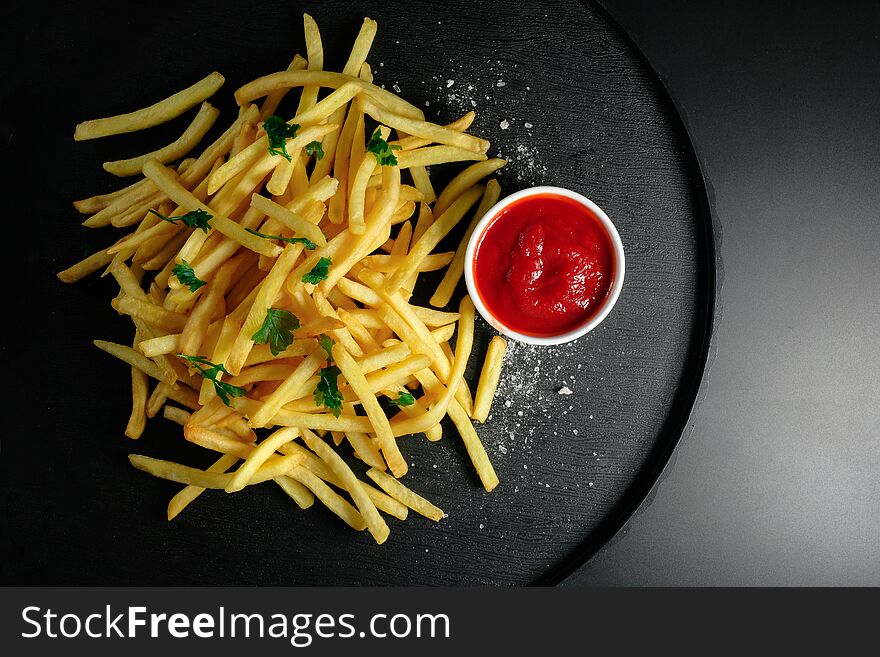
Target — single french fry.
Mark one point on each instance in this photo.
(155, 316)
(132, 357)
(189, 494)
(100, 201)
(315, 56)
(422, 181)
(461, 124)
(453, 274)
(366, 449)
(139, 391)
(258, 457)
(160, 112)
(272, 371)
(273, 100)
(403, 494)
(329, 498)
(356, 212)
(297, 492)
(432, 155)
(160, 345)
(390, 263)
(424, 129)
(193, 134)
(469, 177)
(85, 267)
(489, 376)
(176, 415)
(183, 474)
(287, 79)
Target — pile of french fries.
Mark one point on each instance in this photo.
(325, 234)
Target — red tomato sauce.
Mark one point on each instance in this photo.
(544, 265)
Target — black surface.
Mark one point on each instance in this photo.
(777, 483)
(76, 513)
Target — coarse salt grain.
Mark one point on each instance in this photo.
(564, 390)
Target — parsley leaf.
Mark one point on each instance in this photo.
(315, 147)
(382, 150)
(277, 330)
(193, 219)
(187, 276)
(405, 399)
(305, 241)
(327, 392)
(211, 371)
(279, 131)
(319, 272)
(327, 343)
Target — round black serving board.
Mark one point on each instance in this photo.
(581, 109)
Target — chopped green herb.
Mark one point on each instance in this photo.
(405, 399)
(193, 219)
(319, 272)
(315, 147)
(277, 330)
(327, 391)
(382, 150)
(187, 276)
(305, 241)
(279, 131)
(211, 371)
(327, 343)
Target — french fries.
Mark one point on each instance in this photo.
(163, 111)
(178, 148)
(270, 284)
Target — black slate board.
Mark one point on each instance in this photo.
(572, 467)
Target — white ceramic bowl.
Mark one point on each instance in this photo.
(613, 293)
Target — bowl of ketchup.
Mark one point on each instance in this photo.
(544, 265)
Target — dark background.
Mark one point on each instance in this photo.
(775, 481)
(778, 483)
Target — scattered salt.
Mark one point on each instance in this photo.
(505, 124)
(449, 83)
(564, 390)
(527, 124)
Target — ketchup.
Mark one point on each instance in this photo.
(544, 265)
